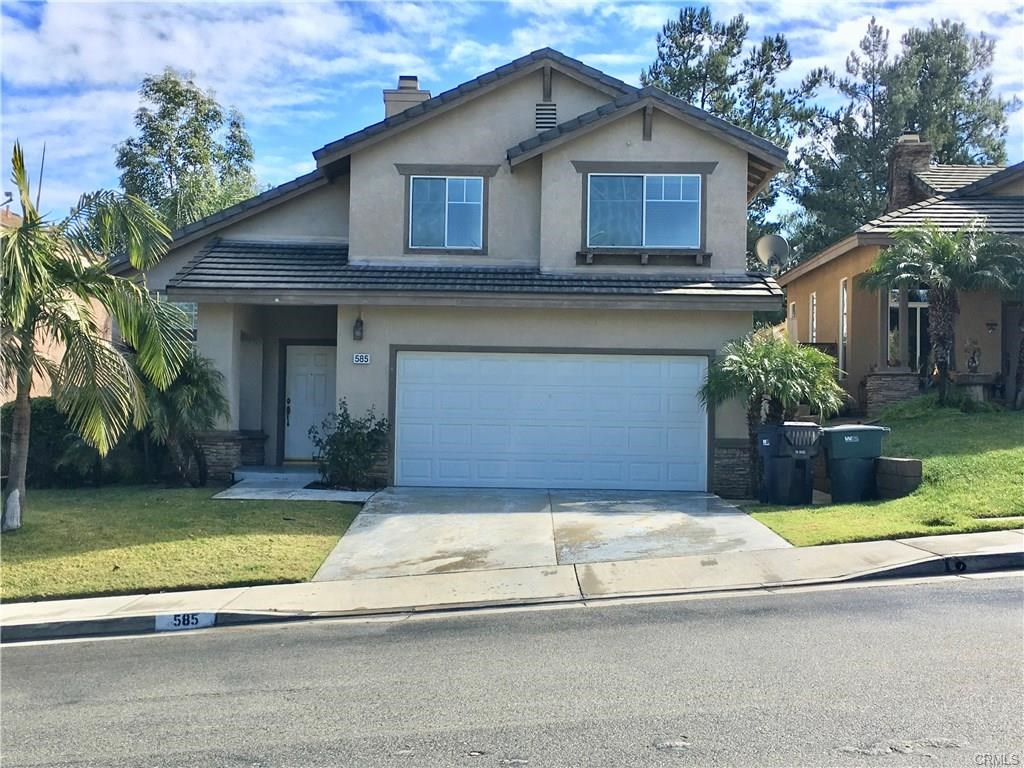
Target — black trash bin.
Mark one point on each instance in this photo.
(787, 460)
(850, 451)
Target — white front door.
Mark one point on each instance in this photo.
(309, 396)
(550, 421)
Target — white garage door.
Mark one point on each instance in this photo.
(550, 421)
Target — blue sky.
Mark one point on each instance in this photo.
(306, 74)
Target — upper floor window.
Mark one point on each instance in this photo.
(446, 212)
(644, 210)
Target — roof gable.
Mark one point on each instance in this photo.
(638, 99)
(942, 179)
(997, 213)
(545, 57)
(991, 182)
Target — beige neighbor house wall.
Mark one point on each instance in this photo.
(478, 132)
(54, 351)
(862, 344)
(977, 311)
(562, 213)
(1014, 188)
(980, 311)
(320, 214)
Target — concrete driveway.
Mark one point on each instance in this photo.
(410, 531)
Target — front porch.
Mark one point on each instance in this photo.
(280, 378)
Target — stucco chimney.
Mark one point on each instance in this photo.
(407, 94)
(910, 155)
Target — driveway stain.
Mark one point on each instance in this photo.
(466, 560)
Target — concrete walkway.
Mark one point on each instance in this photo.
(415, 531)
(759, 570)
(287, 483)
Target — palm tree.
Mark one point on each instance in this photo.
(54, 278)
(969, 259)
(191, 404)
(773, 377)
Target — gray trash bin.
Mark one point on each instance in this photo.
(787, 461)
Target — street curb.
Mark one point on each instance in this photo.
(145, 624)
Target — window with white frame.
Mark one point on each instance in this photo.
(844, 324)
(643, 210)
(446, 212)
(812, 319)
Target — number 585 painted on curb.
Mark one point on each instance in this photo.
(171, 622)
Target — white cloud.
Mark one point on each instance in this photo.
(306, 73)
(283, 64)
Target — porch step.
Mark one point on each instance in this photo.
(299, 476)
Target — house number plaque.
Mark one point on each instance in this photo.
(360, 358)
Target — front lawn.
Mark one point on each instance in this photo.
(139, 539)
(973, 481)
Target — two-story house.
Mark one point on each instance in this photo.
(527, 274)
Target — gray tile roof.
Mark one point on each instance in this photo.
(992, 181)
(236, 265)
(946, 178)
(469, 87)
(997, 213)
(687, 110)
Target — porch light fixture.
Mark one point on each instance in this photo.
(357, 328)
(991, 327)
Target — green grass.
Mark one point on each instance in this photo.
(973, 481)
(114, 540)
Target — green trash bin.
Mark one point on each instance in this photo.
(850, 451)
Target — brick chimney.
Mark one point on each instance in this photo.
(910, 155)
(407, 94)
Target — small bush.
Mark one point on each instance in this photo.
(59, 458)
(51, 442)
(347, 448)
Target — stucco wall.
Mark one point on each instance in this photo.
(1013, 188)
(53, 350)
(863, 311)
(367, 385)
(563, 215)
(476, 133)
(978, 309)
(320, 214)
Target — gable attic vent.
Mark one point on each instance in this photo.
(546, 116)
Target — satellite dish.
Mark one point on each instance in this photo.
(772, 250)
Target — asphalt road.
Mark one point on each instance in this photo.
(914, 674)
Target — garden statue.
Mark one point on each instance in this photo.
(973, 352)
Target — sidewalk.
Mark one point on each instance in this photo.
(760, 570)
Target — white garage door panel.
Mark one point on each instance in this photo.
(550, 420)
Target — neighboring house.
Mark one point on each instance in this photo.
(527, 274)
(882, 342)
(50, 349)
